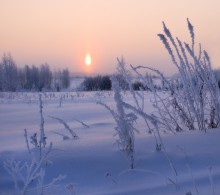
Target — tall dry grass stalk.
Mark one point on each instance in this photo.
(28, 177)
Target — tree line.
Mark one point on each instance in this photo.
(31, 78)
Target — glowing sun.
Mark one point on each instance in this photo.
(88, 60)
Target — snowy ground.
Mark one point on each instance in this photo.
(93, 162)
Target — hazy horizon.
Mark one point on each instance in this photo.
(61, 33)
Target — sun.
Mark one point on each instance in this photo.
(88, 60)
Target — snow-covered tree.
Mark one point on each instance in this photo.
(45, 77)
(9, 73)
(65, 78)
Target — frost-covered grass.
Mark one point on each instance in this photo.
(93, 163)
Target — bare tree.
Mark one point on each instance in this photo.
(65, 78)
(9, 73)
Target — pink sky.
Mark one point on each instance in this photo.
(61, 32)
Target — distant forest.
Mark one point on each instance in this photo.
(31, 78)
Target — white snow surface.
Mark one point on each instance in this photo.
(93, 162)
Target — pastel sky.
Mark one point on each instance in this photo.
(62, 32)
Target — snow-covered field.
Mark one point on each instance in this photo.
(93, 164)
